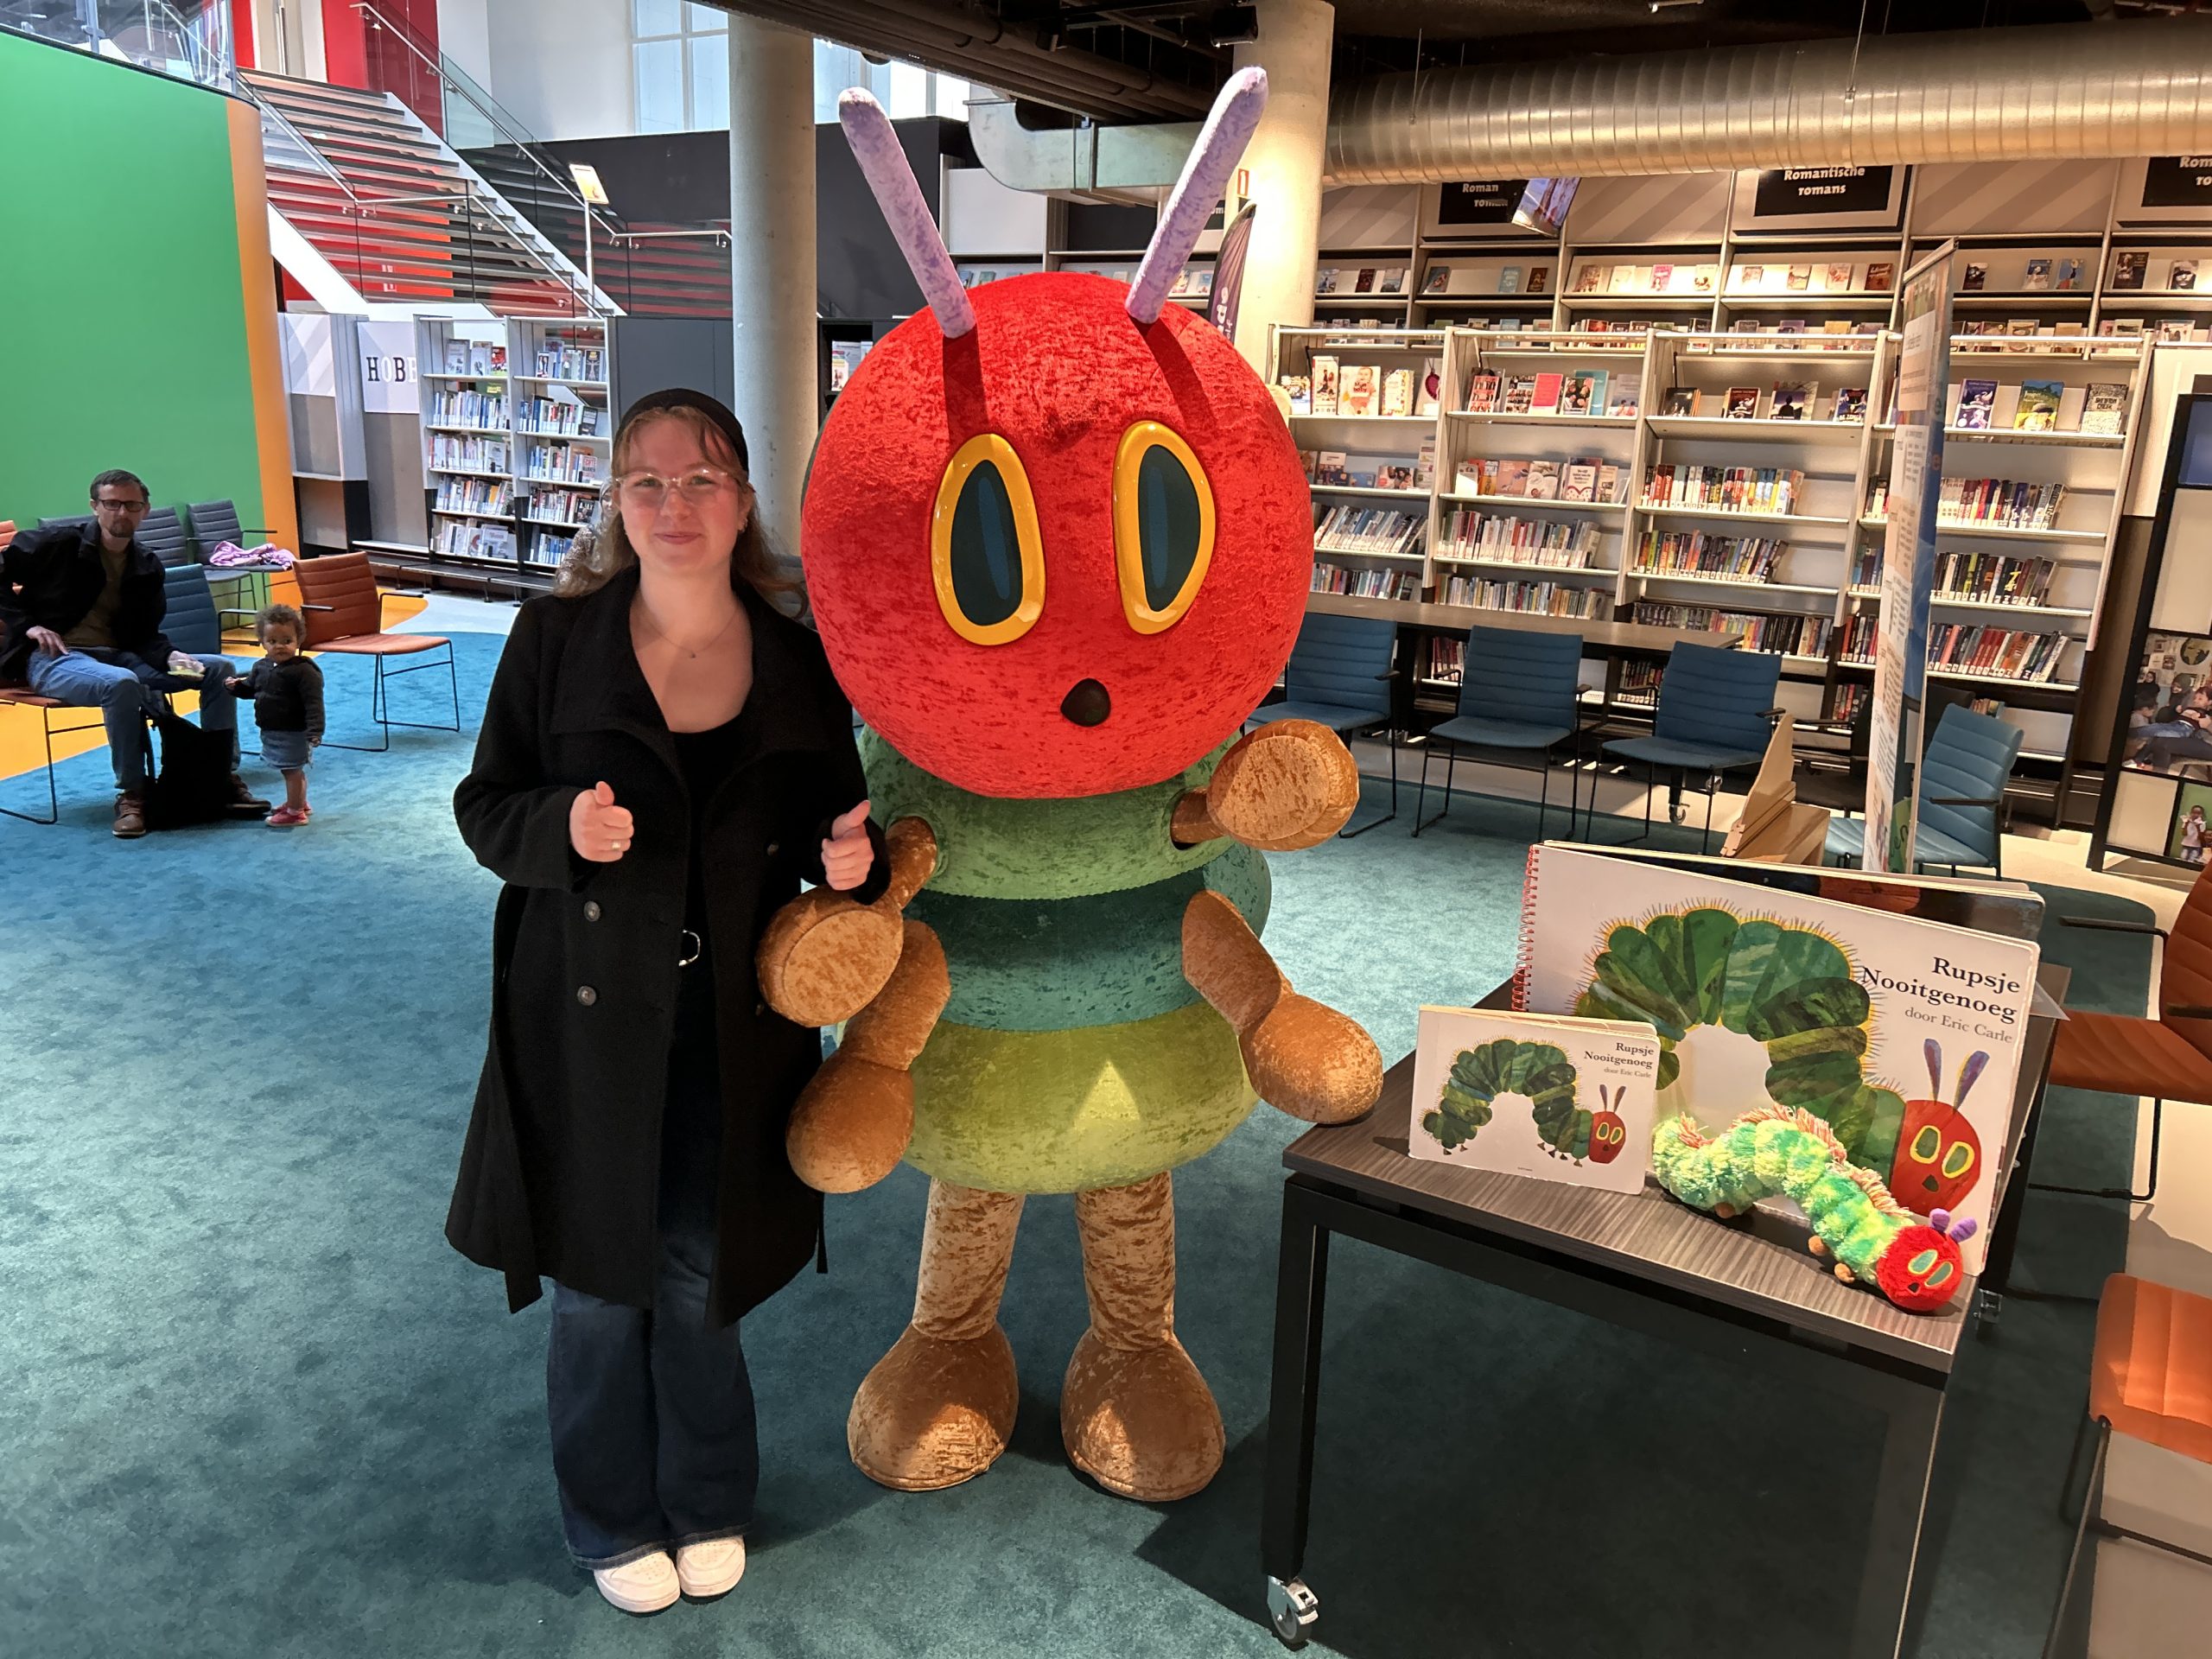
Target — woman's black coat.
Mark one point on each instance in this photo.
(560, 1172)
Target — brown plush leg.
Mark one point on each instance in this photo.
(1135, 1414)
(855, 1116)
(1304, 1059)
(938, 1409)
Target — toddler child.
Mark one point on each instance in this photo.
(287, 692)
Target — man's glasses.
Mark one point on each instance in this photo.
(122, 507)
(649, 491)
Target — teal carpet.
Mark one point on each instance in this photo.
(250, 1403)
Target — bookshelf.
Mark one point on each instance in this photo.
(516, 438)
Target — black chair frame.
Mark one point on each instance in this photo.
(1677, 779)
(2092, 1519)
(1488, 755)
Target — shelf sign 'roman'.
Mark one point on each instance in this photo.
(1479, 201)
(1801, 190)
(2178, 181)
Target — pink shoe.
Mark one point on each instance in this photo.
(286, 817)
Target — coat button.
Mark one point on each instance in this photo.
(591, 910)
(759, 1008)
(774, 847)
(586, 996)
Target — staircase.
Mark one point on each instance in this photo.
(398, 215)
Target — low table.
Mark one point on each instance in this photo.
(1643, 1261)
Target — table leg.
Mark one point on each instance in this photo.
(2005, 1228)
(1301, 1283)
(1915, 1414)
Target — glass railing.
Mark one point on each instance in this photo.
(189, 41)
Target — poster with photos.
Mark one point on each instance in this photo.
(2170, 708)
(2192, 827)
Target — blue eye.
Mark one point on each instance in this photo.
(1163, 526)
(986, 553)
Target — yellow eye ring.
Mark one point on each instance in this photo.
(1926, 1143)
(1129, 523)
(1019, 506)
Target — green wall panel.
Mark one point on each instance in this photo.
(119, 288)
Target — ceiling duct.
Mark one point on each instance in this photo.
(2139, 88)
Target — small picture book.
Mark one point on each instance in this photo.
(2181, 276)
(2038, 410)
(1482, 392)
(456, 357)
(1627, 279)
(2039, 274)
(1578, 481)
(2104, 407)
(1470, 478)
(1513, 478)
(1801, 278)
(1792, 399)
(1743, 403)
(1331, 467)
(1438, 280)
(1544, 397)
(2069, 273)
(1202, 282)
(1591, 279)
(1324, 384)
(1425, 464)
(1751, 278)
(1850, 404)
(1429, 390)
(1393, 280)
(1663, 278)
(1509, 279)
(1542, 1096)
(1398, 392)
(1182, 282)
(1680, 400)
(1624, 403)
(1879, 276)
(1543, 481)
(1976, 279)
(1299, 388)
(1520, 394)
(1360, 383)
(1366, 282)
(1977, 402)
(1838, 279)
(2128, 267)
(1701, 279)
(1325, 280)
(1583, 393)
(1540, 279)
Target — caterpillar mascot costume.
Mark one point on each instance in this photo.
(1058, 543)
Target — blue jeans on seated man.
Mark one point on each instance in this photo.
(116, 683)
(654, 1445)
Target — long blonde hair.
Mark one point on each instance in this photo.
(601, 551)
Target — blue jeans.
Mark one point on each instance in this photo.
(653, 1439)
(124, 700)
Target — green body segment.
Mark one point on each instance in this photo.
(1767, 1157)
(1503, 1066)
(1074, 1053)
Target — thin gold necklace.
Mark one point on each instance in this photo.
(646, 616)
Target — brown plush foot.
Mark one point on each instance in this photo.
(851, 1125)
(1307, 1059)
(1140, 1421)
(822, 958)
(934, 1412)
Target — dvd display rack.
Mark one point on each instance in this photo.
(564, 432)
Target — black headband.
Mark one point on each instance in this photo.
(683, 397)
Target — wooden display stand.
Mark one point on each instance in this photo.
(1776, 828)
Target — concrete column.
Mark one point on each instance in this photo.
(772, 290)
(1283, 163)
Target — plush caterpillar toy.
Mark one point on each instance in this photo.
(1777, 1150)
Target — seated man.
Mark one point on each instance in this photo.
(80, 621)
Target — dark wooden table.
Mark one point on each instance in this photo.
(1641, 1261)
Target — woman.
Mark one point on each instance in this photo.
(664, 757)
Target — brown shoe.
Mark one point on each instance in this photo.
(129, 816)
(244, 803)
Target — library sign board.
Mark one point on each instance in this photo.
(1908, 561)
(1473, 208)
(2165, 189)
(1820, 199)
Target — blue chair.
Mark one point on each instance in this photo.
(1519, 694)
(1716, 713)
(192, 621)
(1960, 789)
(1339, 675)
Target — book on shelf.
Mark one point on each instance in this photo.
(1663, 278)
(1578, 481)
(1583, 392)
(1838, 278)
(1591, 279)
(1438, 280)
(1540, 279)
(1544, 394)
(1365, 282)
(1367, 583)
(1975, 278)
(1788, 635)
(472, 495)
(1680, 400)
(1791, 325)
(1543, 481)
(1609, 480)
(2038, 406)
(2020, 330)
(1398, 391)
(566, 360)
(1703, 277)
(1850, 404)
(474, 538)
(1429, 390)
(1800, 278)
(1551, 544)
(1747, 279)
(1482, 392)
(1394, 281)
(1323, 390)
(1626, 400)
(2037, 275)
(2121, 327)
(2105, 407)
(482, 411)
(1299, 388)
(449, 453)
(1360, 385)
(1742, 403)
(2129, 266)
(1977, 402)
(1331, 467)
(1519, 396)
(1425, 464)
(1749, 559)
(1509, 279)
(456, 357)
(1732, 489)
(1626, 279)
(563, 463)
(1371, 531)
(1793, 399)
(1543, 598)
(1880, 275)
(2070, 274)
(2181, 276)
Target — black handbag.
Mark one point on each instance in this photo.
(194, 782)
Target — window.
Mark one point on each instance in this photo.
(906, 90)
(679, 60)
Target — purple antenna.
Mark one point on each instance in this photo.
(1968, 1072)
(1221, 144)
(1934, 1050)
(1964, 1229)
(1939, 1219)
(875, 147)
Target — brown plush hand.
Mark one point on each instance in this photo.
(1290, 784)
(824, 956)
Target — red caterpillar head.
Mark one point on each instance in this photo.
(1922, 1270)
(1608, 1134)
(1938, 1157)
(1056, 536)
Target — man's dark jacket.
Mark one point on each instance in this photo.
(59, 573)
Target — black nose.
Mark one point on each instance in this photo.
(1087, 703)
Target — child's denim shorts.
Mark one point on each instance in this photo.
(286, 751)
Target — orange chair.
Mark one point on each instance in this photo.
(2150, 1379)
(2169, 1057)
(344, 618)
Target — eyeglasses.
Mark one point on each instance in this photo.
(122, 507)
(649, 491)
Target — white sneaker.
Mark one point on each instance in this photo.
(710, 1569)
(645, 1585)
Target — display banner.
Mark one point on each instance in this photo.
(1229, 271)
(1479, 201)
(2178, 181)
(388, 381)
(1795, 190)
(1908, 561)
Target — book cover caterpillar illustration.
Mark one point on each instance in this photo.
(1903, 1036)
(1561, 1099)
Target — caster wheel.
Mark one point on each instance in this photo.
(1292, 1609)
(1678, 813)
